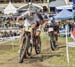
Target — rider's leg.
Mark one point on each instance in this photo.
(56, 35)
(35, 34)
(38, 31)
(32, 31)
(33, 27)
(21, 35)
(56, 38)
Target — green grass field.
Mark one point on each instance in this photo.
(9, 51)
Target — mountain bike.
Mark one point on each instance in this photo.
(53, 41)
(26, 47)
(23, 50)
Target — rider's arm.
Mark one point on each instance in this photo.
(41, 25)
(18, 18)
(24, 14)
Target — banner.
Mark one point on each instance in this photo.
(73, 2)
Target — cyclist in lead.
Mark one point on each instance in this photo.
(32, 20)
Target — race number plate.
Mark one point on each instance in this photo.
(50, 29)
(28, 29)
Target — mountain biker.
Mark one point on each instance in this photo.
(55, 27)
(32, 20)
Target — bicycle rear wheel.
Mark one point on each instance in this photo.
(52, 43)
(38, 45)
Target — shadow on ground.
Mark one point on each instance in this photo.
(43, 56)
(7, 47)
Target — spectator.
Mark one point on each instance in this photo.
(70, 26)
(42, 1)
(10, 33)
(73, 25)
(0, 22)
(8, 24)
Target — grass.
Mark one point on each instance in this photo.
(7, 52)
(59, 56)
(55, 58)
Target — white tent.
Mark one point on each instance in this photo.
(32, 6)
(40, 7)
(10, 9)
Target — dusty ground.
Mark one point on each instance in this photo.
(8, 57)
(12, 61)
(35, 61)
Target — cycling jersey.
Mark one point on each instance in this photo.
(54, 25)
(30, 19)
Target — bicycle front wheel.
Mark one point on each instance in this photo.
(29, 49)
(22, 50)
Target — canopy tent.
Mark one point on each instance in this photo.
(32, 6)
(64, 14)
(10, 9)
(68, 7)
(57, 3)
(64, 7)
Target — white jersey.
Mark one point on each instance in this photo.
(30, 19)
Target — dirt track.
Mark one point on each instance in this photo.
(36, 61)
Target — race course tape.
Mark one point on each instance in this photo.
(7, 39)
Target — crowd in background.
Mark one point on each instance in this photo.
(9, 33)
(7, 22)
(70, 24)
